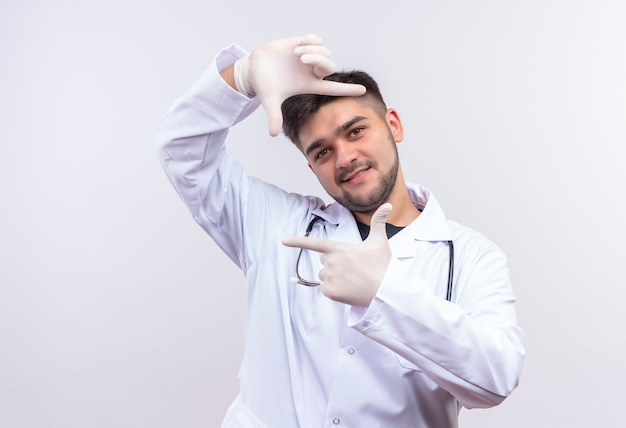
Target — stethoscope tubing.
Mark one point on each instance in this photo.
(307, 283)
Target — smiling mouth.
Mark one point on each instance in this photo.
(353, 174)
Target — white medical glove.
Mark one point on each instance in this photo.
(352, 273)
(287, 67)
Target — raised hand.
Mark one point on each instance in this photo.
(287, 67)
(352, 273)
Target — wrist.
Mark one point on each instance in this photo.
(228, 75)
(241, 70)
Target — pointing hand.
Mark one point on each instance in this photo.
(352, 273)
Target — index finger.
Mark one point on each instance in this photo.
(337, 89)
(310, 243)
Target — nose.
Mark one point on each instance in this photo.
(345, 154)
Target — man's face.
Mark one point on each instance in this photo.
(352, 151)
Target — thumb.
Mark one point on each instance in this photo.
(274, 115)
(378, 225)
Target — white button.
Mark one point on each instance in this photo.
(351, 351)
(336, 421)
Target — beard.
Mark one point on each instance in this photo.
(376, 197)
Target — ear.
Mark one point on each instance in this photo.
(395, 124)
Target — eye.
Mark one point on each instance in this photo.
(321, 154)
(356, 131)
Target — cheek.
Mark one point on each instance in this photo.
(324, 176)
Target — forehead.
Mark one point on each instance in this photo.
(327, 121)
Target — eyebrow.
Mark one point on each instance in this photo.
(340, 129)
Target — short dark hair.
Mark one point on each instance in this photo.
(299, 108)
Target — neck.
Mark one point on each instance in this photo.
(403, 211)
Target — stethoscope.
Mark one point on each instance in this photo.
(303, 281)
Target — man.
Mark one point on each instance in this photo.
(398, 324)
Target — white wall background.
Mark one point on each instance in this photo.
(117, 311)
